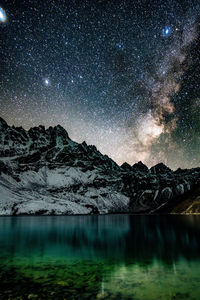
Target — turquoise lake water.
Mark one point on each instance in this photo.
(100, 257)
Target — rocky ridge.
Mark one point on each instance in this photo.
(42, 171)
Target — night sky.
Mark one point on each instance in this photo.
(122, 75)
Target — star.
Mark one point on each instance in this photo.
(120, 45)
(46, 82)
(3, 16)
(167, 31)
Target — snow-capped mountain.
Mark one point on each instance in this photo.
(42, 171)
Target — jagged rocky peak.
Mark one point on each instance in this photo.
(35, 137)
(139, 166)
(160, 169)
(39, 128)
(52, 145)
(58, 135)
(58, 130)
(3, 123)
(61, 131)
(125, 166)
(84, 144)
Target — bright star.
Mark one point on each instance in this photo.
(3, 16)
(167, 31)
(46, 81)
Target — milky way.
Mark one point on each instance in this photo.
(122, 75)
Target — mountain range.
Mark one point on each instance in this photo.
(44, 172)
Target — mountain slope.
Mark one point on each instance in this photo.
(42, 171)
(190, 204)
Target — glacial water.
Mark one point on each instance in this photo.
(100, 257)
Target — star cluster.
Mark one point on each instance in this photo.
(122, 75)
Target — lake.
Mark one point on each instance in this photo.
(100, 257)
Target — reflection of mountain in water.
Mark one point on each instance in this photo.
(119, 237)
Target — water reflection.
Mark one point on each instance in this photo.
(122, 237)
(100, 257)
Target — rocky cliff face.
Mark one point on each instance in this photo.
(42, 171)
(190, 204)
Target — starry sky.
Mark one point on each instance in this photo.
(122, 75)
